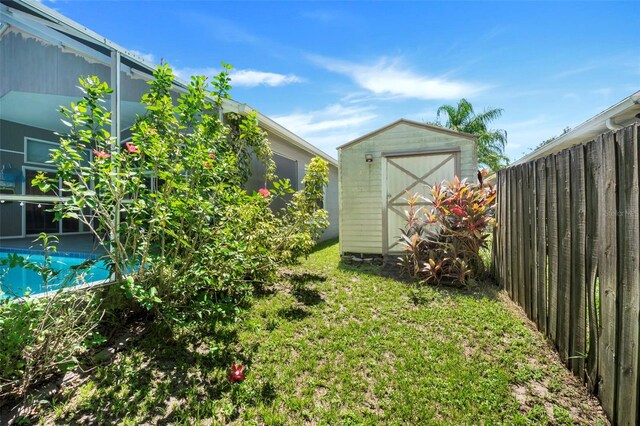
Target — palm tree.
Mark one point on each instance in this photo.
(490, 142)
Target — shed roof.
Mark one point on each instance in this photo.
(48, 17)
(424, 126)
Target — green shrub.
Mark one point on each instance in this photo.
(42, 336)
(182, 237)
(443, 244)
(197, 231)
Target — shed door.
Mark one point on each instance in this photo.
(411, 174)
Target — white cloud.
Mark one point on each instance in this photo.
(389, 77)
(329, 127)
(251, 78)
(330, 118)
(186, 73)
(149, 57)
(243, 78)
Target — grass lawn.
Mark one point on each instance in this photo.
(338, 344)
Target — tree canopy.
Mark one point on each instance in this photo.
(491, 142)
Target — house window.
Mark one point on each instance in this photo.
(37, 217)
(39, 152)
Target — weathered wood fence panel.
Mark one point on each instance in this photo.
(567, 249)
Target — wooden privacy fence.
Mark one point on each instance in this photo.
(567, 251)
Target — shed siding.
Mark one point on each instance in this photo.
(361, 204)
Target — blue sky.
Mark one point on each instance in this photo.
(333, 71)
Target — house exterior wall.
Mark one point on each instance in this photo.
(282, 147)
(361, 183)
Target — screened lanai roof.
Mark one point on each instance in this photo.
(46, 24)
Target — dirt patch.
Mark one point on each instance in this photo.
(522, 395)
(566, 392)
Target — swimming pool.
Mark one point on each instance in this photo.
(20, 280)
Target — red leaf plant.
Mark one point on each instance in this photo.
(442, 244)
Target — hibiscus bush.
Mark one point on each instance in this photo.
(170, 206)
(442, 243)
(182, 237)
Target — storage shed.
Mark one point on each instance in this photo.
(378, 169)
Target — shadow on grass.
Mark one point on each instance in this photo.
(293, 314)
(301, 279)
(324, 244)
(425, 294)
(163, 379)
(364, 268)
(301, 291)
(485, 288)
(308, 297)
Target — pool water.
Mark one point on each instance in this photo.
(20, 280)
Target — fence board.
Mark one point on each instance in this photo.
(594, 194)
(629, 275)
(525, 214)
(520, 244)
(512, 230)
(577, 325)
(608, 278)
(552, 243)
(541, 244)
(564, 258)
(513, 254)
(503, 242)
(569, 254)
(533, 270)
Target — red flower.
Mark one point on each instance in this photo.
(264, 192)
(212, 156)
(101, 154)
(458, 211)
(131, 147)
(207, 165)
(236, 373)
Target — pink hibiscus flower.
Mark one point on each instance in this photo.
(101, 154)
(131, 148)
(236, 373)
